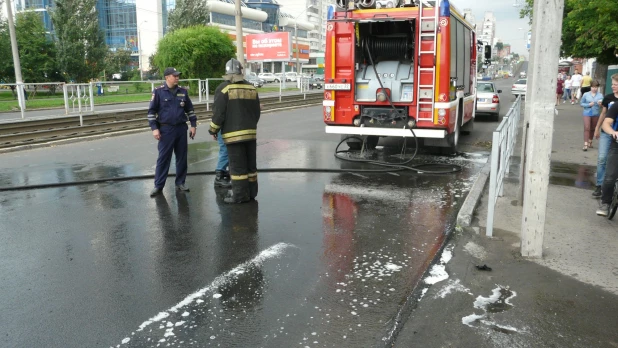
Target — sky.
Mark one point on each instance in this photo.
(507, 20)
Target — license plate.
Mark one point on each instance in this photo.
(337, 86)
(481, 100)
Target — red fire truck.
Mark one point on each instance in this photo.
(399, 69)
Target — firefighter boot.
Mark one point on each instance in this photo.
(240, 192)
(222, 179)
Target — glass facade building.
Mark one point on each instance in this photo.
(118, 20)
(40, 6)
(166, 7)
(271, 8)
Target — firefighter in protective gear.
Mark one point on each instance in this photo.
(236, 112)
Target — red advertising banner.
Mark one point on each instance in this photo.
(268, 47)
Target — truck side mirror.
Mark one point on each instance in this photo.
(487, 52)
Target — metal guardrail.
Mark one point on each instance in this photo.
(40, 131)
(79, 97)
(503, 143)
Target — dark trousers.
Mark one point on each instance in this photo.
(173, 140)
(611, 174)
(243, 170)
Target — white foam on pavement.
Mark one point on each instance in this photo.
(452, 286)
(272, 252)
(437, 273)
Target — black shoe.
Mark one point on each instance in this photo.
(222, 180)
(155, 192)
(597, 192)
(182, 188)
(231, 200)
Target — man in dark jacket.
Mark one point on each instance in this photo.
(236, 112)
(169, 110)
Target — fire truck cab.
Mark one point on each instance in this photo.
(402, 68)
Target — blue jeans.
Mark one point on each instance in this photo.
(223, 161)
(567, 94)
(604, 143)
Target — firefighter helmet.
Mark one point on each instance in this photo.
(233, 67)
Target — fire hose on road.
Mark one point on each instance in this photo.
(424, 168)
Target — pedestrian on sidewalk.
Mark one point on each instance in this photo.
(169, 109)
(591, 102)
(586, 83)
(604, 138)
(610, 126)
(236, 112)
(559, 89)
(567, 88)
(576, 82)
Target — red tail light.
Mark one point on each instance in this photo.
(513, 86)
(495, 99)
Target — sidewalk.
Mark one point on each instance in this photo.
(567, 299)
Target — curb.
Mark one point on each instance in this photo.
(464, 217)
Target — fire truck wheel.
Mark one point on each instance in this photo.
(453, 139)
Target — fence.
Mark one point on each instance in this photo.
(503, 143)
(79, 98)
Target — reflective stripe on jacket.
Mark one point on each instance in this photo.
(236, 112)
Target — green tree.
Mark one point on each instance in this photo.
(499, 46)
(80, 44)
(37, 52)
(589, 30)
(154, 69)
(7, 73)
(187, 13)
(117, 61)
(198, 52)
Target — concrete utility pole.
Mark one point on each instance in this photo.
(539, 118)
(19, 83)
(240, 49)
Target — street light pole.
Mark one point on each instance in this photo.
(139, 51)
(297, 49)
(240, 50)
(16, 63)
(296, 39)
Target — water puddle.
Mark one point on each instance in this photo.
(572, 175)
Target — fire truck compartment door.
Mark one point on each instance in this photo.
(395, 75)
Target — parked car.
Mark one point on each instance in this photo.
(267, 77)
(319, 77)
(257, 82)
(488, 99)
(291, 76)
(314, 83)
(520, 87)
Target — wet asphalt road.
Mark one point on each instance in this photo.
(320, 260)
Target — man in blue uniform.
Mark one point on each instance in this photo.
(169, 109)
(236, 112)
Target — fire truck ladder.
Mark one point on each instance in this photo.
(428, 28)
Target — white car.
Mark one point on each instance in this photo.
(519, 88)
(488, 99)
(267, 77)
